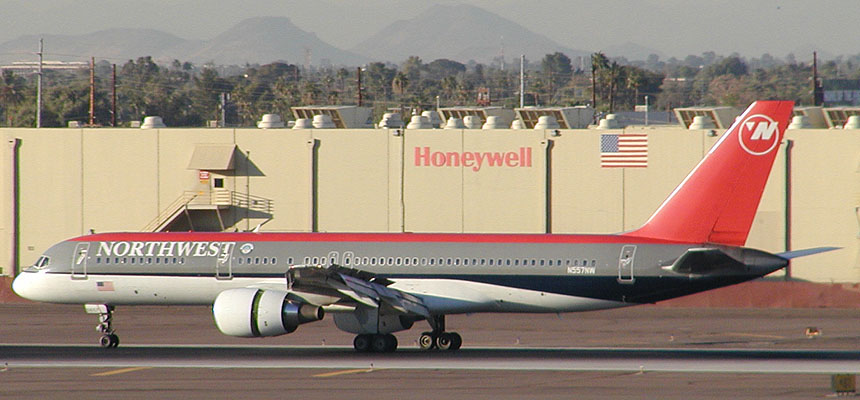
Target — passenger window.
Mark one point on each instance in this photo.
(407, 261)
(542, 262)
(432, 261)
(414, 260)
(290, 261)
(575, 263)
(593, 263)
(265, 260)
(390, 260)
(257, 260)
(550, 263)
(491, 262)
(398, 261)
(274, 260)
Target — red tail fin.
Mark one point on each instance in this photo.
(717, 201)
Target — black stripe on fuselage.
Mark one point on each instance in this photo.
(645, 289)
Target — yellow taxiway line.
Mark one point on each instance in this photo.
(344, 372)
(120, 371)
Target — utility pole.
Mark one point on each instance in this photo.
(39, 87)
(522, 80)
(224, 98)
(358, 78)
(92, 90)
(817, 92)
(113, 96)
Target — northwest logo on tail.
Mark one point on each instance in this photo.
(758, 134)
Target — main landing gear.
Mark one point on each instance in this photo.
(109, 338)
(438, 338)
(387, 343)
(378, 343)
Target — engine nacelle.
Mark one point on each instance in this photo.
(250, 312)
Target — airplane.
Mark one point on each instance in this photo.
(374, 284)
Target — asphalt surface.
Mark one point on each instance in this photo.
(50, 351)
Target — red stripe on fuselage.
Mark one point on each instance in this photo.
(364, 237)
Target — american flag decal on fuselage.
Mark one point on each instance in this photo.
(623, 151)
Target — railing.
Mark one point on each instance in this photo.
(251, 202)
(217, 197)
(171, 210)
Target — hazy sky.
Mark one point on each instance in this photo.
(672, 27)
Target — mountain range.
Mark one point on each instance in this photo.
(457, 32)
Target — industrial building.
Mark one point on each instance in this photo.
(61, 183)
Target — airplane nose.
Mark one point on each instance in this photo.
(23, 284)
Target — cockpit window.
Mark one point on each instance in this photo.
(42, 262)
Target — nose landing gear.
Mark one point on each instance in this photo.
(109, 338)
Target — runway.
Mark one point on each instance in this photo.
(51, 352)
(503, 359)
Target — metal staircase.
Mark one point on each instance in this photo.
(216, 200)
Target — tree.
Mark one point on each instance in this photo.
(599, 62)
(557, 71)
(439, 69)
(11, 93)
(399, 83)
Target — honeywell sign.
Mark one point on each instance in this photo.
(426, 157)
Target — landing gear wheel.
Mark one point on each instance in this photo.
(361, 343)
(456, 341)
(444, 341)
(109, 341)
(427, 341)
(383, 343)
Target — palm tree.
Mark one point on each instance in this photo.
(599, 62)
(399, 83)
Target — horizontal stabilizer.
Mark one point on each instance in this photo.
(788, 255)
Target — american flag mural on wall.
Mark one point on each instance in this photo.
(623, 151)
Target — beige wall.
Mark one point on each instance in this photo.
(73, 180)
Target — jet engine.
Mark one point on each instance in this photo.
(251, 312)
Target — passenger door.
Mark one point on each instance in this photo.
(625, 264)
(79, 261)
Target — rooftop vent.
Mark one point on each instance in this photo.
(270, 121)
(455, 123)
(323, 121)
(303, 123)
(494, 122)
(153, 123)
(702, 122)
(610, 122)
(853, 122)
(547, 122)
(799, 122)
(419, 122)
(391, 120)
(435, 120)
(472, 122)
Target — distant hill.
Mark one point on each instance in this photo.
(114, 44)
(267, 39)
(254, 40)
(631, 51)
(461, 33)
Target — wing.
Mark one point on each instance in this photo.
(353, 286)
